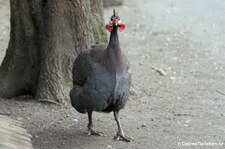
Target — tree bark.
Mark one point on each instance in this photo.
(46, 37)
(97, 23)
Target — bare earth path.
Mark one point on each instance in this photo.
(185, 39)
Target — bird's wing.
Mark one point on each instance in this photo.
(81, 69)
(126, 63)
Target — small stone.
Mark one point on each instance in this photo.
(36, 136)
(187, 121)
(172, 78)
(76, 120)
(133, 92)
(160, 71)
(143, 125)
(62, 143)
(64, 137)
(19, 118)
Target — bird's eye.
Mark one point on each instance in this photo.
(111, 19)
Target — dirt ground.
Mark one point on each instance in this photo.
(180, 104)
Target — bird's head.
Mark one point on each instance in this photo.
(115, 22)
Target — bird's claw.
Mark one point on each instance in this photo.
(95, 133)
(119, 137)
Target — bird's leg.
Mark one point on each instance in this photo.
(120, 134)
(90, 126)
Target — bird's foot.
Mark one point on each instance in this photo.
(95, 133)
(121, 137)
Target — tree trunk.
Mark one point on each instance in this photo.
(112, 3)
(46, 37)
(97, 23)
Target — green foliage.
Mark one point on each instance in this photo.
(99, 30)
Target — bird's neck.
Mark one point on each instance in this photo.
(114, 39)
(113, 58)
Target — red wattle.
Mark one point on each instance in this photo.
(109, 27)
(122, 27)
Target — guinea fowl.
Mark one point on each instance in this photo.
(102, 79)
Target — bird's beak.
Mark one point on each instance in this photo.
(115, 22)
